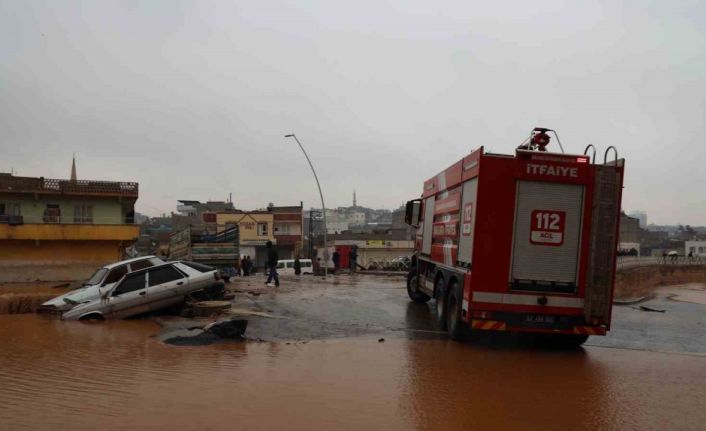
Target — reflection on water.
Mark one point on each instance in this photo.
(115, 375)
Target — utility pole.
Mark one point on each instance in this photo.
(323, 206)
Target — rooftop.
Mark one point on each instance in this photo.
(14, 184)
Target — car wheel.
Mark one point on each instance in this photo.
(441, 303)
(413, 288)
(454, 323)
(96, 317)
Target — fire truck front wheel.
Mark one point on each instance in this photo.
(413, 289)
(441, 303)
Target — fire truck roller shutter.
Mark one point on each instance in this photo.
(468, 221)
(427, 230)
(547, 234)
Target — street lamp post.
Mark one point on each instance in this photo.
(323, 207)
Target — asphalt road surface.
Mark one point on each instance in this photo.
(308, 308)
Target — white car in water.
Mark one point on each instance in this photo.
(100, 282)
(147, 290)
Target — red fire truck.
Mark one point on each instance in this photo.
(522, 243)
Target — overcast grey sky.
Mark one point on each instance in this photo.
(193, 99)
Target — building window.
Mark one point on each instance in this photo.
(52, 214)
(262, 229)
(11, 209)
(83, 213)
(702, 249)
(282, 229)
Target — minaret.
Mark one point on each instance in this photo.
(354, 202)
(73, 169)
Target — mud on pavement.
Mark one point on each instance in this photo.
(310, 308)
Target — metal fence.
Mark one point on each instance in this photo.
(625, 262)
(76, 187)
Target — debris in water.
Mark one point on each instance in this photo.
(209, 308)
(234, 328)
(381, 340)
(643, 308)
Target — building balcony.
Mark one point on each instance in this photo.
(70, 232)
(288, 239)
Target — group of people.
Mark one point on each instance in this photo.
(243, 267)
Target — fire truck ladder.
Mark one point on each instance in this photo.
(603, 232)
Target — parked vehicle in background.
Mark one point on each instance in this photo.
(398, 264)
(147, 290)
(286, 266)
(101, 281)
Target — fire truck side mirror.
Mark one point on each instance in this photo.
(412, 212)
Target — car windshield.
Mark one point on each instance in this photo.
(96, 277)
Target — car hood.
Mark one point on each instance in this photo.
(76, 311)
(70, 299)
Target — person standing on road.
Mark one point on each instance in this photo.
(353, 257)
(297, 266)
(248, 266)
(237, 266)
(244, 266)
(336, 261)
(272, 259)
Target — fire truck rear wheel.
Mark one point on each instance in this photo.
(413, 289)
(454, 322)
(441, 303)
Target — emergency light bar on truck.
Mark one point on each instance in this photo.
(522, 242)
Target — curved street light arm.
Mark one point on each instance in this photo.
(323, 206)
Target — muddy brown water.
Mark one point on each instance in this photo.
(18, 298)
(117, 375)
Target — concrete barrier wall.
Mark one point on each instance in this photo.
(21, 272)
(640, 281)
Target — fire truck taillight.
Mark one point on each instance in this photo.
(482, 315)
(581, 160)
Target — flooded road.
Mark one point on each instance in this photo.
(119, 375)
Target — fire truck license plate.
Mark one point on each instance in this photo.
(534, 318)
(547, 227)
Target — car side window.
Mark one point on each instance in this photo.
(130, 284)
(280, 265)
(164, 274)
(115, 274)
(290, 264)
(141, 264)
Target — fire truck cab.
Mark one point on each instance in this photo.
(522, 242)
